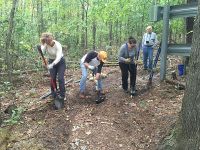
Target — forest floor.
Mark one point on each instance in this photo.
(118, 123)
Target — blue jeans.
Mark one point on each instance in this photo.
(147, 55)
(84, 79)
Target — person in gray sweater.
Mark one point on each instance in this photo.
(127, 64)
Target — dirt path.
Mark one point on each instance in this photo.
(119, 123)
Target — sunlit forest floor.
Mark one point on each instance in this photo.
(120, 122)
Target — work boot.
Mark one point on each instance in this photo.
(81, 95)
(84, 96)
(133, 91)
(59, 102)
(125, 90)
(100, 97)
(101, 92)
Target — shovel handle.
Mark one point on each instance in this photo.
(45, 62)
(42, 55)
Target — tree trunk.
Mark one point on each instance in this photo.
(117, 32)
(94, 35)
(82, 32)
(189, 34)
(110, 33)
(40, 17)
(8, 40)
(86, 28)
(190, 113)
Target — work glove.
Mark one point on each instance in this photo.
(136, 62)
(91, 67)
(50, 66)
(127, 60)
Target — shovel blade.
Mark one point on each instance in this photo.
(100, 98)
(59, 103)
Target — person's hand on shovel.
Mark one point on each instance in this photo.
(50, 66)
(127, 60)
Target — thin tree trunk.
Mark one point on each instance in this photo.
(110, 33)
(94, 35)
(116, 31)
(120, 33)
(9, 38)
(86, 28)
(82, 32)
(40, 17)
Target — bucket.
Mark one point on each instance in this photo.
(180, 69)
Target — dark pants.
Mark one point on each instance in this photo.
(125, 69)
(58, 69)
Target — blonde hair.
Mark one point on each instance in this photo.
(46, 35)
(149, 27)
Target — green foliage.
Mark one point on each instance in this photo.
(15, 117)
(5, 86)
(67, 20)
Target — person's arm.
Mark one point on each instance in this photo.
(88, 58)
(143, 40)
(99, 68)
(43, 47)
(156, 41)
(121, 54)
(135, 52)
(59, 53)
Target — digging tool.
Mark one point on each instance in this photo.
(58, 101)
(49, 93)
(137, 57)
(149, 84)
(100, 97)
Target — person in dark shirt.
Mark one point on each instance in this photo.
(93, 61)
(127, 63)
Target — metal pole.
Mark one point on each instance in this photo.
(164, 45)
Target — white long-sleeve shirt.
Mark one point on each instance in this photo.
(54, 52)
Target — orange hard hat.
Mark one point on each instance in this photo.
(103, 55)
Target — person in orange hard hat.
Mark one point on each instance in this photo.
(93, 61)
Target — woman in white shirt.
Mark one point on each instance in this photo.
(56, 64)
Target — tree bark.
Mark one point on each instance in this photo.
(94, 35)
(190, 112)
(110, 33)
(8, 40)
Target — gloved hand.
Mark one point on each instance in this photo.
(91, 67)
(127, 60)
(136, 62)
(50, 66)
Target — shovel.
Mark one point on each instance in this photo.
(149, 84)
(58, 101)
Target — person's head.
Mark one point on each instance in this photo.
(102, 55)
(132, 42)
(149, 29)
(46, 38)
